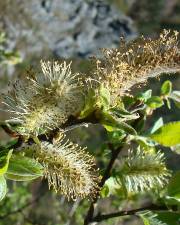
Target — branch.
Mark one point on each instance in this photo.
(101, 217)
(106, 175)
(13, 134)
(70, 124)
(7, 129)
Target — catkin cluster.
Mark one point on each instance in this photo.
(43, 103)
(46, 101)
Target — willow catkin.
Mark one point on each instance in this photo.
(68, 168)
(133, 63)
(46, 101)
(142, 171)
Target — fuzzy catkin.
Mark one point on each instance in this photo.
(133, 63)
(47, 100)
(68, 168)
(142, 171)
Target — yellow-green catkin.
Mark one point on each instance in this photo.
(68, 168)
(47, 100)
(144, 171)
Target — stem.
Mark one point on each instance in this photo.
(8, 130)
(70, 124)
(101, 217)
(115, 153)
(106, 175)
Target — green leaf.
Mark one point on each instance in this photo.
(166, 88)
(22, 168)
(145, 95)
(160, 218)
(126, 127)
(123, 113)
(169, 218)
(168, 103)
(12, 57)
(11, 143)
(150, 218)
(159, 123)
(111, 123)
(167, 135)
(145, 220)
(175, 96)
(143, 141)
(112, 185)
(4, 160)
(116, 137)
(104, 191)
(128, 100)
(90, 102)
(3, 187)
(171, 201)
(104, 98)
(174, 187)
(154, 102)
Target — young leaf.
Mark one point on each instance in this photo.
(144, 142)
(111, 123)
(3, 187)
(175, 96)
(90, 102)
(159, 123)
(22, 168)
(154, 102)
(167, 135)
(124, 114)
(4, 160)
(168, 103)
(145, 95)
(166, 88)
(112, 185)
(104, 98)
